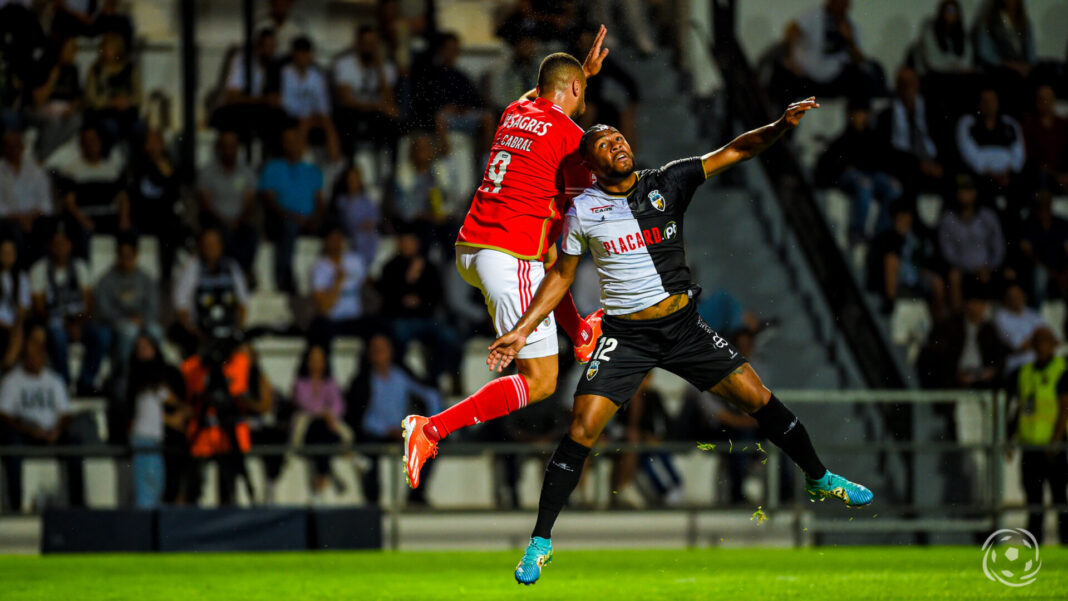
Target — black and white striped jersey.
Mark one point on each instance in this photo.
(636, 238)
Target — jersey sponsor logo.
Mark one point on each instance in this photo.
(657, 200)
(529, 124)
(601, 209)
(591, 371)
(671, 230)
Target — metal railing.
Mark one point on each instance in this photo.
(906, 517)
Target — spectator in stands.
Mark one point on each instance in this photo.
(379, 398)
(1046, 136)
(287, 25)
(992, 146)
(35, 410)
(944, 48)
(154, 399)
(831, 57)
(337, 282)
(306, 97)
(25, 194)
(358, 214)
(319, 414)
(724, 313)
(633, 15)
(964, 350)
(905, 127)
(252, 108)
(14, 303)
(1005, 47)
(510, 77)
(1044, 246)
(420, 199)
(970, 240)
(210, 298)
(292, 191)
(1016, 324)
(92, 188)
(856, 163)
(57, 101)
(62, 297)
(226, 192)
(127, 303)
(646, 422)
(363, 90)
(902, 263)
(600, 108)
(154, 197)
(411, 295)
(706, 417)
(548, 21)
(112, 19)
(398, 27)
(1041, 392)
(446, 100)
(113, 90)
(268, 423)
(778, 68)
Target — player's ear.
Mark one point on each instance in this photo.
(576, 88)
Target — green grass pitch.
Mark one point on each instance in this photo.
(860, 573)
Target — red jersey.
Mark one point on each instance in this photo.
(533, 172)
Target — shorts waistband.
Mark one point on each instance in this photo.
(689, 309)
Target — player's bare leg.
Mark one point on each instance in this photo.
(589, 417)
(743, 389)
(535, 381)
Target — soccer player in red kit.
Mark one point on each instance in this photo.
(507, 242)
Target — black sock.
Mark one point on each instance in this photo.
(783, 428)
(561, 478)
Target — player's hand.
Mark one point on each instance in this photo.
(504, 350)
(795, 111)
(592, 65)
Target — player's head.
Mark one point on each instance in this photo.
(606, 153)
(562, 80)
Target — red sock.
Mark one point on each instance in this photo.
(568, 317)
(500, 397)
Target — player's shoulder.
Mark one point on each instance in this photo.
(585, 204)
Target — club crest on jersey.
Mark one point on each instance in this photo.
(591, 371)
(657, 200)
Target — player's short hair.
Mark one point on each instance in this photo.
(558, 70)
(591, 134)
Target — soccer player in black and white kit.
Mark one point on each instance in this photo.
(632, 223)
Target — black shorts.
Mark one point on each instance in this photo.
(681, 343)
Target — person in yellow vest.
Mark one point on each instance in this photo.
(1042, 410)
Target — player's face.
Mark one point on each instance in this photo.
(611, 156)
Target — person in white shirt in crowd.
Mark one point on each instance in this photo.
(337, 281)
(211, 294)
(1016, 324)
(227, 191)
(62, 299)
(155, 405)
(829, 53)
(991, 145)
(359, 215)
(906, 125)
(14, 303)
(365, 108)
(25, 193)
(252, 108)
(306, 97)
(35, 410)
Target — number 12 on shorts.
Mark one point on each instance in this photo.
(498, 166)
(604, 346)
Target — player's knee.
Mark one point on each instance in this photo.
(583, 432)
(541, 387)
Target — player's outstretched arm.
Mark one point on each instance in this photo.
(591, 66)
(752, 143)
(550, 292)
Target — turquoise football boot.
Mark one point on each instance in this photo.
(538, 555)
(833, 485)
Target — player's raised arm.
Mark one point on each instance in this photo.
(752, 143)
(591, 66)
(550, 292)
